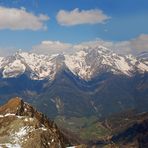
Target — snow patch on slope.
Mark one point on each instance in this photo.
(77, 64)
(41, 66)
(14, 69)
(18, 136)
(85, 65)
(143, 67)
(123, 66)
(9, 145)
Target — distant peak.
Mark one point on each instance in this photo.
(11, 106)
(19, 51)
(97, 48)
(15, 101)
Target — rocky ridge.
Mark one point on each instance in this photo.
(23, 126)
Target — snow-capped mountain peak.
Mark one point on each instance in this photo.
(86, 64)
(89, 63)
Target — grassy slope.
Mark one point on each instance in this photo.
(86, 128)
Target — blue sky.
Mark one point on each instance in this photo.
(122, 20)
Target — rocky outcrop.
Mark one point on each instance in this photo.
(21, 125)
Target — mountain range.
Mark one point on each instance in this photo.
(85, 83)
(86, 64)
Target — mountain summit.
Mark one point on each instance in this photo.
(23, 126)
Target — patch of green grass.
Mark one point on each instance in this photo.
(86, 128)
(94, 131)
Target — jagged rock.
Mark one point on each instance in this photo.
(23, 126)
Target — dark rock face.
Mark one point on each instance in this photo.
(22, 125)
(136, 135)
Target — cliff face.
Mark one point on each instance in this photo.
(21, 125)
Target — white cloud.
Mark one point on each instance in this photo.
(51, 47)
(20, 19)
(121, 47)
(76, 17)
(140, 43)
(7, 51)
(54, 47)
(133, 46)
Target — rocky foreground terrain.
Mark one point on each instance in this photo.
(21, 125)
